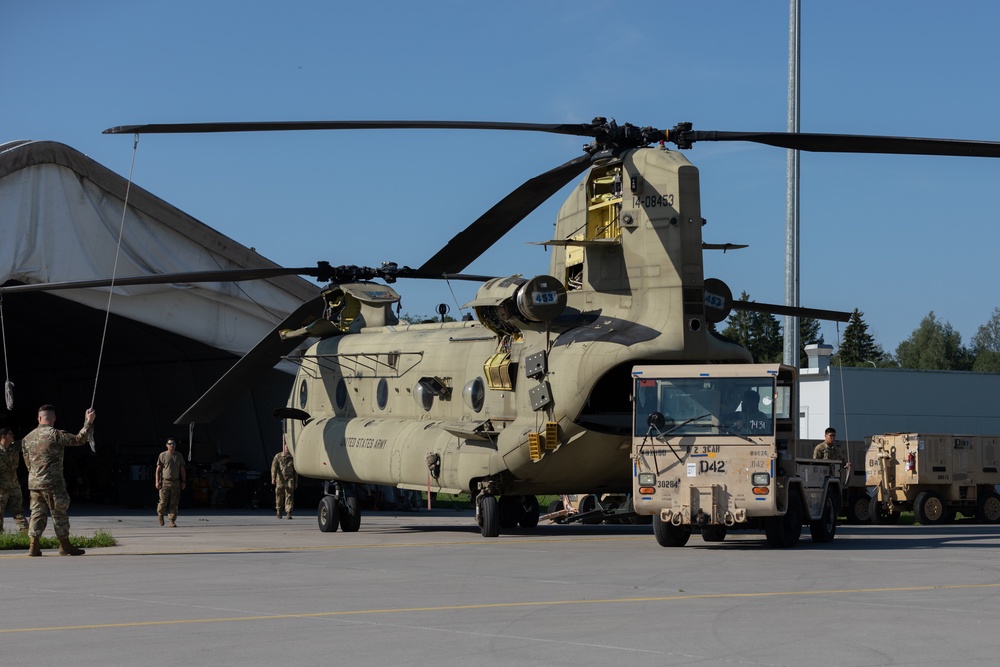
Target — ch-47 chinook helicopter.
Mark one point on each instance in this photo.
(532, 396)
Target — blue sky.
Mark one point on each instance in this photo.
(894, 236)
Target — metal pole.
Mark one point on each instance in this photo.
(791, 327)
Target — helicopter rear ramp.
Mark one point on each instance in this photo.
(62, 214)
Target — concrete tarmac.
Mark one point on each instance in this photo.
(424, 588)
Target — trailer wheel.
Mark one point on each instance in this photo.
(929, 509)
(858, 507)
(988, 507)
(825, 528)
(589, 504)
(669, 535)
(880, 515)
(489, 517)
(783, 532)
(350, 515)
(328, 515)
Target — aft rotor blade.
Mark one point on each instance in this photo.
(222, 275)
(478, 237)
(792, 311)
(854, 143)
(262, 358)
(573, 129)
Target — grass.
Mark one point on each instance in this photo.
(101, 538)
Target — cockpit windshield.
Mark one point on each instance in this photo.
(738, 406)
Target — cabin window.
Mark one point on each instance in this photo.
(474, 394)
(341, 394)
(382, 394)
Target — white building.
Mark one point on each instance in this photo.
(861, 402)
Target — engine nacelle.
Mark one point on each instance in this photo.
(505, 304)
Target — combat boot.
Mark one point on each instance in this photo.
(67, 549)
(278, 514)
(33, 548)
(160, 517)
(173, 524)
(289, 516)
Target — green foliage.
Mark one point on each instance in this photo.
(758, 332)
(934, 345)
(808, 335)
(859, 347)
(101, 538)
(419, 319)
(986, 345)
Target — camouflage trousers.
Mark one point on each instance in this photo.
(45, 502)
(12, 499)
(170, 498)
(284, 497)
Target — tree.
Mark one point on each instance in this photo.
(986, 345)
(758, 332)
(859, 347)
(808, 335)
(934, 345)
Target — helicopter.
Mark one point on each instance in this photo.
(531, 396)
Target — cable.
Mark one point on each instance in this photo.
(8, 386)
(114, 273)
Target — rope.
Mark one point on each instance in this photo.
(111, 288)
(843, 400)
(8, 386)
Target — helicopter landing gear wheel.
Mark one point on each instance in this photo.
(510, 509)
(528, 512)
(350, 515)
(328, 514)
(489, 516)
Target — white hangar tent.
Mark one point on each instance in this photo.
(61, 214)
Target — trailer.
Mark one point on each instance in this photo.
(934, 476)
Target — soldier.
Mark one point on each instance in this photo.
(285, 480)
(10, 487)
(43, 454)
(828, 449)
(171, 479)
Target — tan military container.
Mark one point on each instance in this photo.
(934, 475)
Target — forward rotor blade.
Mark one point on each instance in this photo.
(263, 357)
(855, 143)
(478, 237)
(573, 129)
(222, 275)
(793, 311)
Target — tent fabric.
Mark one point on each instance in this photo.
(61, 214)
(165, 345)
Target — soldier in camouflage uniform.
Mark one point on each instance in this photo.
(10, 487)
(171, 478)
(828, 449)
(43, 454)
(285, 480)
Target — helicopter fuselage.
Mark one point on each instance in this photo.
(532, 397)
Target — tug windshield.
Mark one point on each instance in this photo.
(739, 406)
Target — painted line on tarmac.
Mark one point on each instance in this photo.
(99, 551)
(500, 605)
